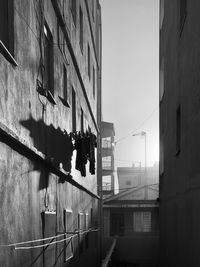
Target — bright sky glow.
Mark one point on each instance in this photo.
(130, 76)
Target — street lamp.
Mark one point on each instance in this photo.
(142, 133)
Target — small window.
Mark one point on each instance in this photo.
(142, 221)
(69, 229)
(88, 61)
(48, 60)
(7, 30)
(81, 29)
(128, 182)
(81, 227)
(87, 228)
(178, 130)
(94, 81)
(106, 142)
(91, 217)
(183, 13)
(73, 110)
(73, 10)
(106, 183)
(107, 163)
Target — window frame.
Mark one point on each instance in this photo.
(67, 231)
(141, 223)
(49, 61)
(7, 46)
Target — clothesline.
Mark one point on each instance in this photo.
(48, 238)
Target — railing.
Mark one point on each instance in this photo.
(107, 259)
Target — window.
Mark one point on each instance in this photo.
(73, 10)
(106, 142)
(73, 110)
(183, 13)
(161, 80)
(69, 228)
(88, 60)
(128, 182)
(91, 217)
(48, 60)
(81, 29)
(106, 163)
(142, 221)
(87, 228)
(178, 130)
(65, 93)
(94, 82)
(106, 183)
(81, 227)
(7, 30)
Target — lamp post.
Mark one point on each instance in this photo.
(142, 133)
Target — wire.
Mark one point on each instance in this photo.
(48, 238)
(134, 187)
(138, 128)
(44, 245)
(32, 241)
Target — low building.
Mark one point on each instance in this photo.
(133, 221)
(132, 177)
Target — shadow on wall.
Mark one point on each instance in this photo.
(54, 143)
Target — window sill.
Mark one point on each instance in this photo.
(64, 102)
(45, 92)
(4, 51)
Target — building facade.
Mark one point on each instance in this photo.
(132, 177)
(179, 133)
(50, 61)
(134, 222)
(108, 162)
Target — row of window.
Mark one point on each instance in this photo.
(7, 47)
(72, 224)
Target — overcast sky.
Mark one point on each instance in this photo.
(130, 78)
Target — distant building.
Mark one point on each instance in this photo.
(132, 177)
(50, 120)
(134, 222)
(108, 139)
(179, 133)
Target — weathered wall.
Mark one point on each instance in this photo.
(32, 143)
(180, 177)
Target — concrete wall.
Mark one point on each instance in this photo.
(180, 176)
(32, 142)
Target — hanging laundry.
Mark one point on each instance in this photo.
(93, 144)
